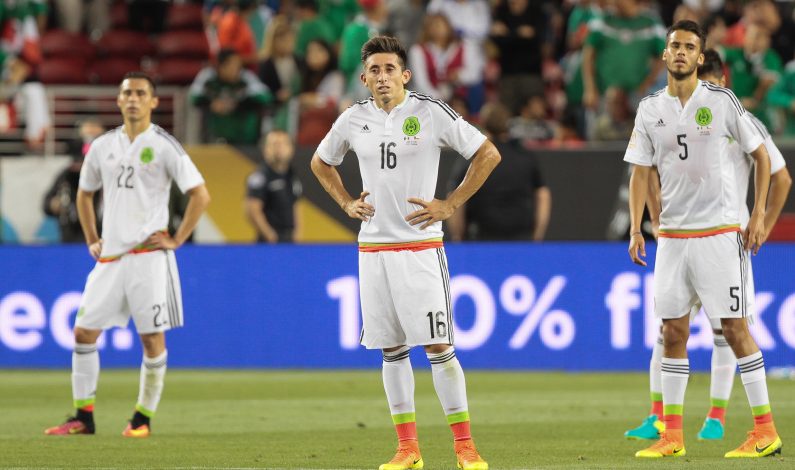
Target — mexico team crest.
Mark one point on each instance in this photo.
(147, 155)
(703, 116)
(411, 126)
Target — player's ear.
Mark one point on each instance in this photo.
(700, 60)
(665, 54)
(362, 79)
(155, 102)
(406, 76)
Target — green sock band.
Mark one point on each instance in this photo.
(718, 403)
(673, 409)
(760, 410)
(656, 396)
(404, 418)
(148, 413)
(458, 417)
(84, 403)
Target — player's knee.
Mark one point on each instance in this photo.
(734, 331)
(674, 335)
(436, 348)
(153, 344)
(85, 336)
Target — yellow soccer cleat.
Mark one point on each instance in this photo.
(140, 431)
(407, 457)
(763, 441)
(671, 444)
(467, 456)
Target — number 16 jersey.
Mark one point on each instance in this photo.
(690, 147)
(398, 156)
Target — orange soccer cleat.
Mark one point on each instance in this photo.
(467, 456)
(407, 457)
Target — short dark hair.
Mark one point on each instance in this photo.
(224, 55)
(712, 66)
(384, 44)
(137, 74)
(689, 26)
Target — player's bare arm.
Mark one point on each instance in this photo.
(483, 163)
(638, 189)
(329, 178)
(780, 184)
(88, 221)
(198, 202)
(755, 232)
(653, 203)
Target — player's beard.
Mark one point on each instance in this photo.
(682, 75)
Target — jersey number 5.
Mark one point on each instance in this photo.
(681, 139)
(388, 157)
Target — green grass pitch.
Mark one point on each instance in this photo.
(340, 420)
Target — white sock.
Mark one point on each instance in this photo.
(85, 373)
(399, 381)
(655, 369)
(450, 385)
(675, 373)
(724, 365)
(752, 372)
(153, 373)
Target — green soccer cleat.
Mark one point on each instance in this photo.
(712, 430)
(649, 429)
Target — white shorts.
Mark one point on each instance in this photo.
(405, 298)
(145, 286)
(711, 270)
(750, 295)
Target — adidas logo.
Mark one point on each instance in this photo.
(660, 123)
(365, 129)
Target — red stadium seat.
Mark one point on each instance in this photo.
(314, 123)
(185, 44)
(784, 230)
(185, 16)
(111, 71)
(177, 71)
(125, 43)
(63, 71)
(60, 44)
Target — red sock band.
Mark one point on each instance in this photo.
(461, 431)
(657, 409)
(673, 421)
(717, 413)
(89, 408)
(763, 419)
(406, 431)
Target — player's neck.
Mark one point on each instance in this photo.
(682, 89)
(393, 103)
(135, 128)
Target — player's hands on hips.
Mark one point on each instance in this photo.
(431, 212)
(637, 248)
(162, 240)
(359, 209)
(95, 249)
(755, 233)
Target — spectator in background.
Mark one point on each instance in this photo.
(441, 64)
(623, 50)
(311, 26)
(91, 16)
(715, 29)
(753, 69)
(782, 99)
(272, 191)
(518, 32)
(338, 13)
(61, 199)
(322, 87)
(514, 203)
(235, 33)
(232, 99)
(369, 23)
(617, 120)
(405, 20)
(280, 71)
(532, 125)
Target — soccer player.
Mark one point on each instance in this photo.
(403, 278)
(685, 129)
(136, 272)
(723, 361)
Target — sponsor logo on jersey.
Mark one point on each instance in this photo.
(147, 155)
(411, 126)
(703, 116)
(660, 123)
(365, 129)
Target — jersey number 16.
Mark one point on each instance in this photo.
(388, 157)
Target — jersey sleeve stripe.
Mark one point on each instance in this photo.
(759, 126)
(453, 115)
(656, 93)
(436, 100)
(728, 93)
(171, 140)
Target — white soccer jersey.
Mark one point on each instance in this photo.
(690, 147)
(744, 163)
(136, 182)
(398, 157)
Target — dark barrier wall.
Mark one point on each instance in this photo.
(556, 306)
(584, 184)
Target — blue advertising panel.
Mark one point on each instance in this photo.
(570, 306)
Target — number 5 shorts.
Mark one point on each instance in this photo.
(405, 298)
(143, 285)
(713, 271)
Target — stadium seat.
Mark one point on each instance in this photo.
(63, 71)
(177, 71)
(185, 16)
(184, 44)
(59, 44)
(125, 43)
(111, 71)
(314, 123)
(784, 230)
